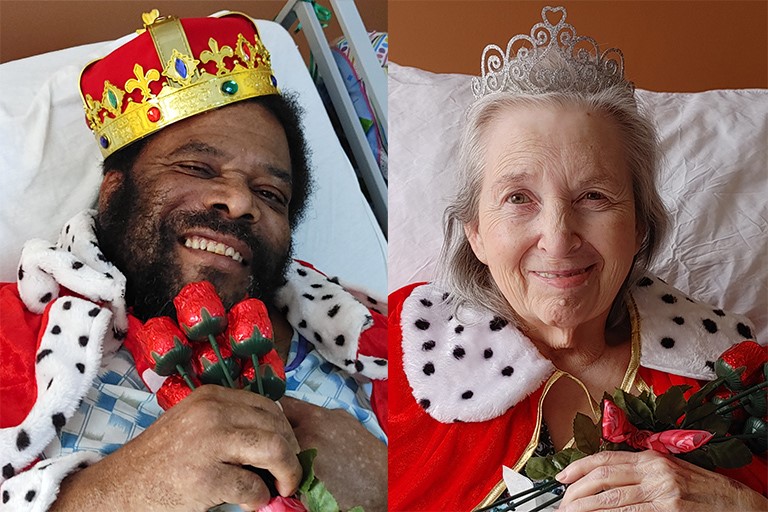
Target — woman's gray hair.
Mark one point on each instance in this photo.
(467, 278)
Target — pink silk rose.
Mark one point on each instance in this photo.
(616, 426)
(617, 429)
(678, 441)
(281, 504)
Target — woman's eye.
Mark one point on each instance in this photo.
(518, 198)
(594, 196)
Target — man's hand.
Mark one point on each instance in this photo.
(350, 461)
(648, 480)
(191, 458)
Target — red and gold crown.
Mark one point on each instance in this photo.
(174, 69)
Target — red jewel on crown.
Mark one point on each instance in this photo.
(153, 114)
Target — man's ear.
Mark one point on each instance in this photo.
(111, 182)
(472, 233)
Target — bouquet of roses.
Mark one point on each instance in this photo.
(239, 351)
(233, 349)
(719, 426)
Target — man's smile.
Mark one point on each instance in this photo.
(215, 243)
(205, 244)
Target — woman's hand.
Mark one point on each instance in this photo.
(650, 481)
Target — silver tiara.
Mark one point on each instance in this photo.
(552, 58)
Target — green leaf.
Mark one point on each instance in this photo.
(671, 405)
(698, 413)
(307, 460)
(649, 399)
(565, 457)
(607, 446)
(320, 499)
(638, 413)
(586, 434)
(699, 457)
(540, 468)
(714, 423)
(618, 399)
(698, 397)
(729, 454)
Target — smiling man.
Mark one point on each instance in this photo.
(205, 177)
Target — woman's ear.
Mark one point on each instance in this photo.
(109, 185)
(472, 233)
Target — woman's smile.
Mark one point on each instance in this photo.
(572, 278)
(556, 215)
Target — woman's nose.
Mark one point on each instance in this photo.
(558, 236)
(232, 196)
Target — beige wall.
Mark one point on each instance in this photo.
(667, 45)
(30, 27)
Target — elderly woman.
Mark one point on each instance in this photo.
(543, 302)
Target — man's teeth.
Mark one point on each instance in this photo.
(204, 244)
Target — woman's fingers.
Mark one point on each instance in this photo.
(629, 497)
(581, 467)
(606, 480)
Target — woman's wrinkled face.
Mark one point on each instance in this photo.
(556, 222)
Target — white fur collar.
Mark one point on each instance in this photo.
(77, 333)
(477, 368)
(334, 319)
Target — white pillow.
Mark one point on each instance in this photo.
(50, 164)
(714, 182)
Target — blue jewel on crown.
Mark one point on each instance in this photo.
(181, 68)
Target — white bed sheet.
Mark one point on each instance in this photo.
(714, 182)
(50, 164)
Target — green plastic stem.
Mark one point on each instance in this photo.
(215, 346)
(258, 374)
(185, 376)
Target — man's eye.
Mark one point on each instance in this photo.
(197, 170)
(272, 196)
(518, 198)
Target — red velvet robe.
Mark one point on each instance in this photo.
(454, 466)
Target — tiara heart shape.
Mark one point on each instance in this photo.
(553, 58)
(547, 15)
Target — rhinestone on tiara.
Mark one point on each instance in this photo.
(553, 58)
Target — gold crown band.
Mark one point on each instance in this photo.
(188, 88)
(176, 104)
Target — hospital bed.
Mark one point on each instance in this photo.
(714, 181)
(50, 164)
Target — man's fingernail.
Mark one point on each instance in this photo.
(561, 475)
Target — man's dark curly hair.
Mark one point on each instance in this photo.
(288, 112)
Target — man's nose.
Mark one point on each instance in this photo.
(232, 196)
(558, 235)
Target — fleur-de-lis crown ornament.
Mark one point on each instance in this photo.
(173, 69)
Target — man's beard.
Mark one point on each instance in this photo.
(143, 247)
